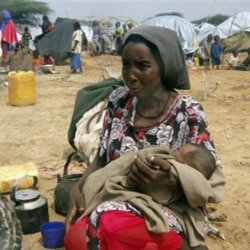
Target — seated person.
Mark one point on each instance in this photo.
(148, 110)
(46, 27)
(245, 65)
(37, 61)
(233, 60)
(116, 184)
(19, 58)
(48, 60)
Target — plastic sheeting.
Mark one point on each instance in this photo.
(235, 24)
(185, 30)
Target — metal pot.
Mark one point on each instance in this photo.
(31, 207)
(63, 187)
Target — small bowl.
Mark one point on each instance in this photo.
(47, 68)
(53, 234)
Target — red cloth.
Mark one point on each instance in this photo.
(49, 60)
(9, 33)
(122, 231)
(75, 238)
(9, 36)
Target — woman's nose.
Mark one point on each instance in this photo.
(132, 73)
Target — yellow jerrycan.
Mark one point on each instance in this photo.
(196, 62)
(10, 173)
(22, 88)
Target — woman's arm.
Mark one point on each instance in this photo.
(76, 205)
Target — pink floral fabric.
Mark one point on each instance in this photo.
(184, 122)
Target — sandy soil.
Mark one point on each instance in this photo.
(38, 133)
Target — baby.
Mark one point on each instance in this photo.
(198, 157)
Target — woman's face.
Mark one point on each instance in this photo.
(140, 69)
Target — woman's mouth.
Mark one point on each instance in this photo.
(134, 90)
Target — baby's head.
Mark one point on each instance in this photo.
(198, 157)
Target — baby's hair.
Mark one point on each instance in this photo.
(201, 159)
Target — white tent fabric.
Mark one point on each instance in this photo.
(185, 30)
(233, 25)
(203, 31)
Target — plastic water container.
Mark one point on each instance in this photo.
(10, 173)
(53, 234)
(196, 62)
(22, 88)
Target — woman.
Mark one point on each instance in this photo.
(76, 49)
(148, 111)
(9, 34)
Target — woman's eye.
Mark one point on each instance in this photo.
(142, 65)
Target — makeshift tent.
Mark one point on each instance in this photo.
(58, 41)
(203, 30)
(238, 42)
(233, 25)
(185, 30)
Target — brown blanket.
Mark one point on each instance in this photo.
(109, 183)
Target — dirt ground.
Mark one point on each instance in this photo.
(38, 133)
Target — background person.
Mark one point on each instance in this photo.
(216, 50)
(37, 61)
(206, 48)
(119, 32)
(76, 49)
(233, 60)
(49, 61)
(26, 37)
(9, 34)
(147, 111)
(19, 58)
(46, 27)
(245, 65)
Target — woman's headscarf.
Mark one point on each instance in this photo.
(6, 18)
(175, 73)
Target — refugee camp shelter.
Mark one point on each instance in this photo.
(233, 25)
(203, 30)
(58, 41)
(237, 42)
(185, 30)
(235, 32)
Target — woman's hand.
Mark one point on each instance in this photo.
(158, 172)
(76, 205)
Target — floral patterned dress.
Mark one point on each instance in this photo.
(184, 122)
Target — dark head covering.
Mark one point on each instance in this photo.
(175, 73)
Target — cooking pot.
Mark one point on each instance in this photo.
(31, 207)
(63, 187)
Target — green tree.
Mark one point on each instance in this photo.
(215, 20)
(25, 12)
(171, 14)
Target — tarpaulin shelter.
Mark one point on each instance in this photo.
(185, 30)
(58, 41)
(237, 42)
(233, 25)
(203, 30)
